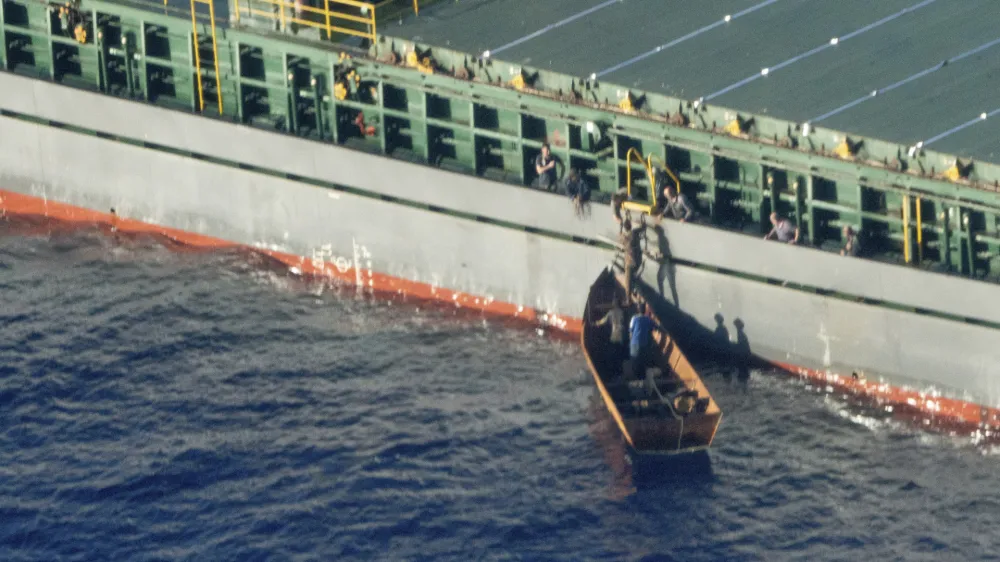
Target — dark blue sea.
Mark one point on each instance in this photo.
(161, 404)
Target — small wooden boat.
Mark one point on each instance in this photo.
(666, 409)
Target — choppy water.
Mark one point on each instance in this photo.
(164, 405)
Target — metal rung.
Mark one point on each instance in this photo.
(637, 206)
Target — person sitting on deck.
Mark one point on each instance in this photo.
(673, 204)
(783, 229)
(641, 331)
(578, 191)
(545, 167)
(852, 245)
(616, 317)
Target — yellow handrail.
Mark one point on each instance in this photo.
(920, 235)
(333, 28)
(320, 11)
(649, 168)
(326, 9)
(634, 155)
(628, 171)
(327, 16)
(906, 228)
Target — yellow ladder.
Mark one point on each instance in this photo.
(646, 163)
(197, 54)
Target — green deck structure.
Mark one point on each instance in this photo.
(734, 135)
(895, 40)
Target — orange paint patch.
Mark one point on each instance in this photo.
(946, 412)
(20, 205)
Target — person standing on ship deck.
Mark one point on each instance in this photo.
(578, 191)
(545, 167)
(783, 230)
(673, 204)
(852, 246)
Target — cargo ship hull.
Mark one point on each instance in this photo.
(392, 226)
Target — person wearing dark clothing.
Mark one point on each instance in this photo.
(852, 244)
(578, 191)
(545, 167)
(783, 230)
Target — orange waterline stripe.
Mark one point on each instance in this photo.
(25, 205)
(884, 393)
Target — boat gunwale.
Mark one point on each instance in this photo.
(713, 413)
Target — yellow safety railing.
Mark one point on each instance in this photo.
(663, 166)
(906, 228)
(332, 16)
(629, 203)
(634, 154)
(920, 233)
(197, 54)
(907, 217)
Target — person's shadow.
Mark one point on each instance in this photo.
(721, 336)
(667, 271)
(742, 352)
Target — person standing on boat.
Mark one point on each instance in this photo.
(641, 331)
(632, 248)
(616, 317)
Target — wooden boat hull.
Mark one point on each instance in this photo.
(648, 423)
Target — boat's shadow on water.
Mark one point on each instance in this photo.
(660, 471)
(633, 472)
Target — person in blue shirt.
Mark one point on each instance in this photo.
(641, 331)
